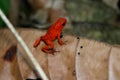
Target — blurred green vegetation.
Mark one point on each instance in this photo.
(90, 18)
(93, 19)
(4, 6)
(89, 10)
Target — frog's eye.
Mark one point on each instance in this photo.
(63, 24)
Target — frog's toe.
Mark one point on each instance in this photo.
(52, 51)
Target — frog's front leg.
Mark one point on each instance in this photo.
(59, 40)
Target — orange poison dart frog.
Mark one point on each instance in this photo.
(53, 33)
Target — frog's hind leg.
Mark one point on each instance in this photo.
(49, 48)
(37, 42)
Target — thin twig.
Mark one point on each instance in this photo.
(33, 61)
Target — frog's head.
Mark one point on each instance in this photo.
(60, 23)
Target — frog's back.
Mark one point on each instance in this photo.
(55, 29)
(51, 34)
